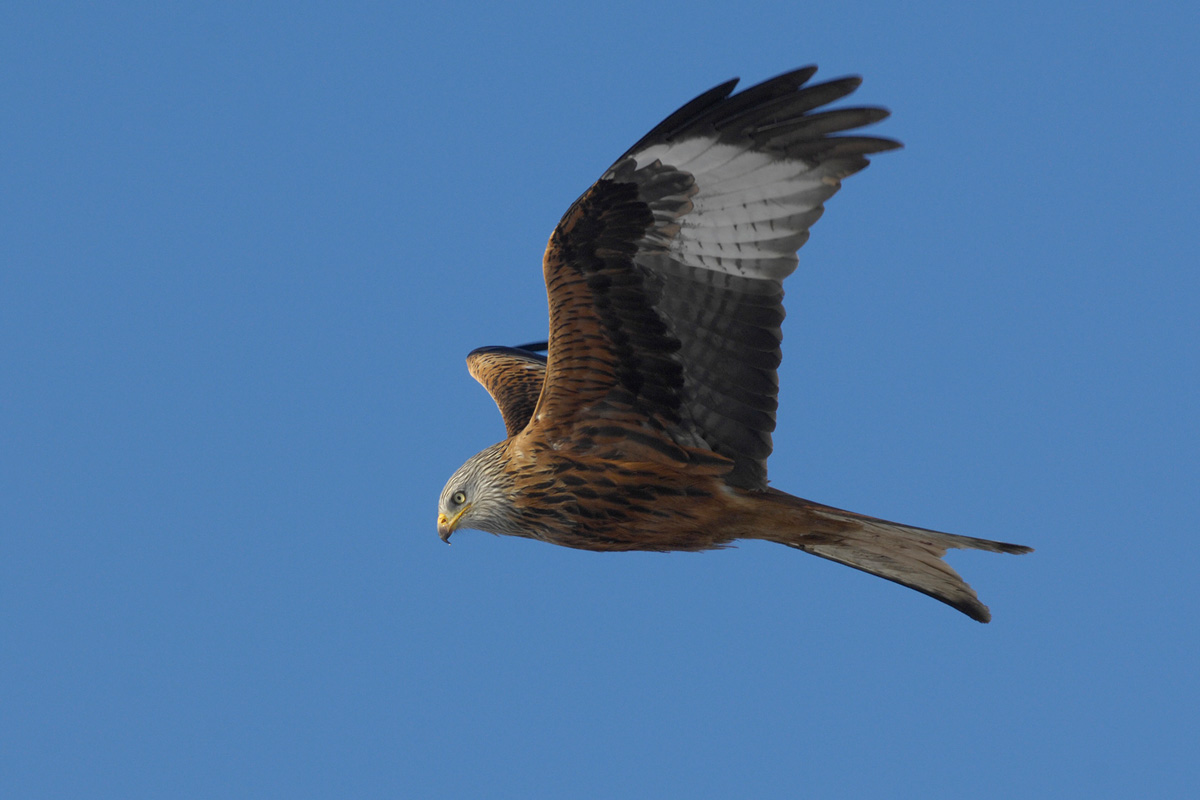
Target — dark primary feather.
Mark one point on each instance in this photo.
(665, 278)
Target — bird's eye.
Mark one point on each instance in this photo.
(459, 498)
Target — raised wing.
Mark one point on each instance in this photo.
(513, 377)
(665, 278)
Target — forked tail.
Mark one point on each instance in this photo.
(909, 556)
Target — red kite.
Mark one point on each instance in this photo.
(648, 425)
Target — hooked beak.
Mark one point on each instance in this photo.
(446, 525)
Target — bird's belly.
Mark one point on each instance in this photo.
(649, 510)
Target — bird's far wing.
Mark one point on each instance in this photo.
(665, 279)
(513, 376)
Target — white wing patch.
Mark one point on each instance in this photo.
(750, 210)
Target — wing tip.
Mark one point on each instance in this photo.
(479, 353)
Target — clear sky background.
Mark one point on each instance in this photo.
(244, 248)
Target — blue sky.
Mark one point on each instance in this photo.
(245, 247)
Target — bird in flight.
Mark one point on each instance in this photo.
(647, 426)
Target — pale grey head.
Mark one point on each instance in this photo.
(479, 496)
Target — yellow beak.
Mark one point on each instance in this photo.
(446, 525)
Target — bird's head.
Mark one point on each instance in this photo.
(478, 495)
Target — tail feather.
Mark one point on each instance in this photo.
(909, 556)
